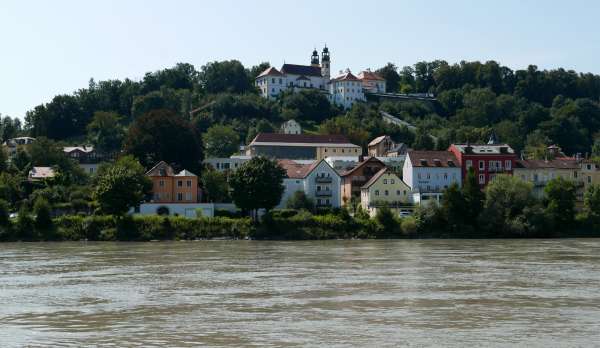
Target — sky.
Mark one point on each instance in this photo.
(55, 47)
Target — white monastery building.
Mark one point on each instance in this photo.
(343, 90)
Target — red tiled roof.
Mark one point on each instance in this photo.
(369, 75)
(301, 138)
(270, 71)
(295, 170)
(432, 159)
(361, 164)
(346, 77)
(557, 163)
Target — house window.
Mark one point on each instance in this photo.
(392, 181)
(397, 192)
(481, 178)
(445, 176)
(469, 164)
(161, 183)
(508, 164)
(180, 196)
(327, 202)
(189, 183)
(188, 196)
(589, 179)
(481, 165)
(419, 175)
(387, 193)
(385, 181)
(273, 80)
(376, 192)
(179, 183)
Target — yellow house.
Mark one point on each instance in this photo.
(540, 172)
(386, 188)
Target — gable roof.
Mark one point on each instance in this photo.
(161, 169)
(185, 172)
(362, 164)
(375, 178)
(348, 76)
(432, 159)
(302, 77)
(301, 138)
(377, 140)
(369, 75)
(299, 170)
(41, 172)
(295, 69)
(269, 71)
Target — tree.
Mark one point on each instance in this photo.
(391, 76)
(163, 135)
(220, 141)
(41, 210)
(506, 198)
(4, 213)
(306, 105)
(389, 226)
(591, 204)
(105, 132)
(226, 76)
(257, 184)
(560, 202)
(300, 201)
(473, 197)
(454, 208)
(121, 186)
(215, 186)
(423, 140)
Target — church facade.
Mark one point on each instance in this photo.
(342, 90)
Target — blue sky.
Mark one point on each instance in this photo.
(53, 47)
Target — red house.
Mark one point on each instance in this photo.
(488, 160)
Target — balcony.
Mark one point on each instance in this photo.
(324, 193)
(323, 179)
(392, 204)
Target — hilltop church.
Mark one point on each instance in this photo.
(342, 90)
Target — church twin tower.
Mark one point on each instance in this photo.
(325, 66)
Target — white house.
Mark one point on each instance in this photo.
(429, 173)
(345, 89)
(223, 164)
(372, 82)
(319, 181)
(291, 127)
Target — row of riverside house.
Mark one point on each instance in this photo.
(334, 173)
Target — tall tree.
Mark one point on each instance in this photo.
(220, 141)
(121, 186)
(560, 202)
(251, 190)
(392, 79)
(163, 135)
(226, 76)
(105, 132)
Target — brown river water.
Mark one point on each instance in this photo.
(417, 293)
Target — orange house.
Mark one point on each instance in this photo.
(171, 187)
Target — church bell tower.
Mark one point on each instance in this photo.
(314, 59)
(325, 64)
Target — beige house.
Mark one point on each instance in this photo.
(301, 146)
(590, 173)
(386, 189)
(540, 172)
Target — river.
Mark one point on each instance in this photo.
(535, 293)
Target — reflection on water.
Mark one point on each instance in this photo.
(331, 293)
